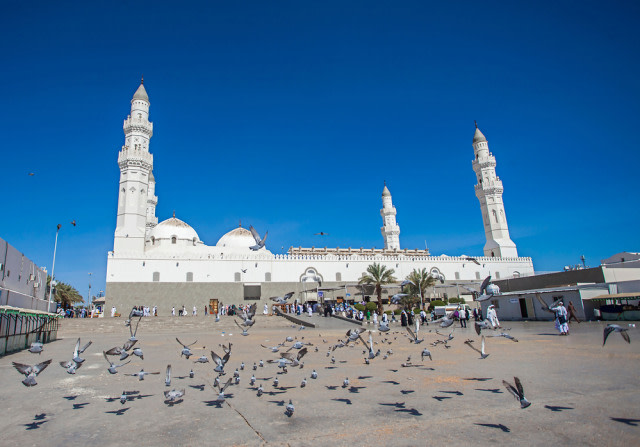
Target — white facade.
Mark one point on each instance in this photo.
(489, 192)
(168, 259)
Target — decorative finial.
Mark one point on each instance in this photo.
(142, 80)
(240, 223)
(385, 182)
(174, 214)
(476, 123)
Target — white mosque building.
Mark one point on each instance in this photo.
(166, 264)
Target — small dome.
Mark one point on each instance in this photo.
(237, 238)
(141, 94)
(478, 136)
(492, 289)
(174, 227)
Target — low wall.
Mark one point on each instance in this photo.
(293, 319)
(20, 327)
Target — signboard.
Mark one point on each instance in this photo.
(513, 300)
(320, 294)
(348, 294)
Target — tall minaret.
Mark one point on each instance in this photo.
(136, 164)
(390, 229)
(489, 192)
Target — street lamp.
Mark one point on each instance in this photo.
(53, 266)
(89, 295)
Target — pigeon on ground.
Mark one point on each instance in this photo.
(289, 410)
(185, 349)
(260, 391)
(276, 382)
(615, 328)
(221, 395)
(517, 392)
(303, 383)
(112, 366)
(173, 395)
(314, 374)
(203, 359)
(259, 241)
(252, 381)
(123, 398)
(30, 372)
(191, 374)
(345, 383)
(167, 379)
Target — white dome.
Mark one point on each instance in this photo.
(174, 228)
(492, 289)
(237, 238)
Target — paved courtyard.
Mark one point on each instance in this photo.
(581, 393)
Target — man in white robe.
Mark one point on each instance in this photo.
(562, 322)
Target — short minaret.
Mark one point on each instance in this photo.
(390, 229)
(136, 164)
(489, 192)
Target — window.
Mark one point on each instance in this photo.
(457, 275)
(156, 276)
(497, 275)
(496, 303)
(252, 292)
(174, 239)
(516, 274)
(338, 276)
(153, 240)
(267, 276)
(236, 277)
(477, 275)
(189, 276)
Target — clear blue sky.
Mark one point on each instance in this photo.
(289, 115)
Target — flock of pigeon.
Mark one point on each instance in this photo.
(293, 352)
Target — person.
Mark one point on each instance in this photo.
(195, 312)
(266, 309)
(476, 316)
(184, 310)
(310, 310)
(561, 318)
(410, 317)
(385, 318)
(368, 316)
(113, 311)
(492, 316)
(375, 318)
(423, 316)
(463, 317)
(403, 318)
(572, 313)
(173, 311)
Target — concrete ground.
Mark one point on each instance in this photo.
(581, 393)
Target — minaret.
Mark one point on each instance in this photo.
(390, 229)
(489, 192)
(136, 164)
(152, 201)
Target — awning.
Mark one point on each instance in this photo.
(616, 296)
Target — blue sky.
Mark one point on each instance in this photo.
(290, 115)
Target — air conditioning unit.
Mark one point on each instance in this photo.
(32, 277)
(36, 285)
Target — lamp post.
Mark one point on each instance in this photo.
(89, 295)
(53, 266)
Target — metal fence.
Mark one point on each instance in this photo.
(19, 328)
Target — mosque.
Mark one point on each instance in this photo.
(165, 264)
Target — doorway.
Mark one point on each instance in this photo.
(523, 308)
(213, 306)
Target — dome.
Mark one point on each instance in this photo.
(478, 136)
(169, 228)
(238, 238)
(385, 191)
(141, 94)
(492, 289)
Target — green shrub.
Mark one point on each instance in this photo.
(388, 312)
(359, 307)
(435, 303)
(371, 305)
(456, 300)
(397, 311)
(416, 310)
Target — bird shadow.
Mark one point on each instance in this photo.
(80, 406)
(364, 377)
(70, 397)
(502, 427)
(396, 404)
(34, 425)
(411, 411)
(197, 387)
(331, 387)
(141, 396)
(280, 403)
(550, 335)
(632, 422)
(171, 403)
(490, 390)
(330, 367)
(119, 412)
(479, 379)
(557, 408)
(39, 417)
(407, 391)
(426, 368)
(346, 401)
(393, 370)
(441, 398)
(273, 393)
(392, 382)
(213, 403)
(356, 389)
(285, 388)
(457, 393)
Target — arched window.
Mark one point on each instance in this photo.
(267, 276)
(495, 215)
(153, 240)
(189, 276)
(174, 239)
(338, 276)
(156, 276)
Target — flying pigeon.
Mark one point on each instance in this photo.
(36, 347)
(173, 395)
(167, 379)
(615, 328)
(282, 299)
(30, 372)
(185, 349)
(77, 351)
(517, 392)
(481, 351)
(140, 375)
(259, 241)
(112, 366)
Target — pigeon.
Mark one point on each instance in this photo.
(255, 367)
(123, 398)
(203, 358)
(112, 366)
(137, 351)
(505, 335)
(242, 366)
(221, 395)
(314, 374)
(248, 315)
(71, 366)
(220, 361)
(252, 381)
(140, 375)
(275, 348)
(446, 321)
(236, 380)
(282, 299)
(289, 410)
(426, 353)
(517, 392)
(30, 372)
(615, 328)
(36, 347)
(122, 352)
(294, 361)
(369, 346)
(260, 391)
(134, 332)
(173, 395)
(191, 374)
(185, 349)
(259, 241)
(289, 339)
(414, 337)
(383, 327)
(276, 382)
(479, 351)
(77, 351)
(353, 334)
(245, 330)
(167, 379)
(298, 345)
(261, 364)
(236, 373)
(345, 383)
(303, 383)
(484, 324)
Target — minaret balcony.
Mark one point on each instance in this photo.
(141, 125)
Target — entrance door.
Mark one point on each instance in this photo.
(523, 308)
(213, 306)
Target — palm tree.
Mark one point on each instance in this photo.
(378, 275)
(64, 294)
(420, 281)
